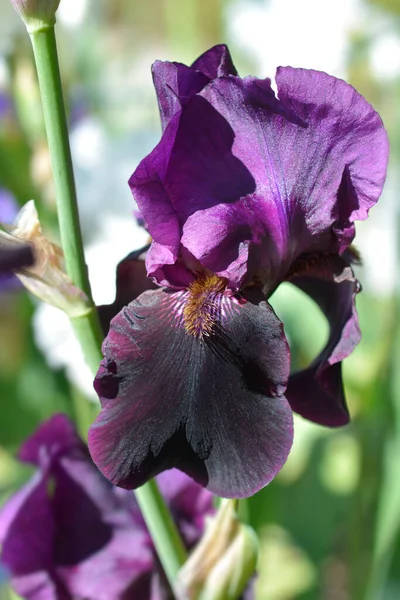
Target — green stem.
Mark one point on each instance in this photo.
(45, 51)
(87, 327)
(162, 528)
(87, 331)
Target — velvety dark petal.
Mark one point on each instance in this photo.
(213, 406)
(317, 392)
(215, 62)
(132, 280)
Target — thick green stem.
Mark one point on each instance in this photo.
(162, 528)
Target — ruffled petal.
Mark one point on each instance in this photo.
(213, 406)
(242, 178)
(317, 392)
(215, 62)
(176, 84)
(193, 171)
(311, 159)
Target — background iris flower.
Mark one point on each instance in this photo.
(68, 533)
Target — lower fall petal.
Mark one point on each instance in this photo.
(316, 392)
(194, 384)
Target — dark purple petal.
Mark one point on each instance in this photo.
(67, 534)
(118, 570)
(176, 84)
(348, 170)
(193, 171)
(55, 437)
(213, 406)
(26, 550)
(317, 392)
(215, 62)
(268, 179)
(310, 157)
(132, 281)
(27, 527)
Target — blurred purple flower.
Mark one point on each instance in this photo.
(6, 105)
(8, 207)
(69, 534)
(13, 255)
(245, 190)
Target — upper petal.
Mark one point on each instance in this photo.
(318, 156)
(278, 176)
(212, 406)
(215, 62)
(191, 174)
(317, 392)
(176, 84)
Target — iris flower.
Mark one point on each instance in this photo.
(246, 189)
(68, 533)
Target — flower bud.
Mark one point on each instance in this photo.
(46, 278)
(37, 14)
(223, 562)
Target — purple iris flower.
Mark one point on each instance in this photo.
(68, 533)
(245, 190)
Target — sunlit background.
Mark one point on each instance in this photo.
(329, 523)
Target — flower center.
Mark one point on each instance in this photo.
(203, 305)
